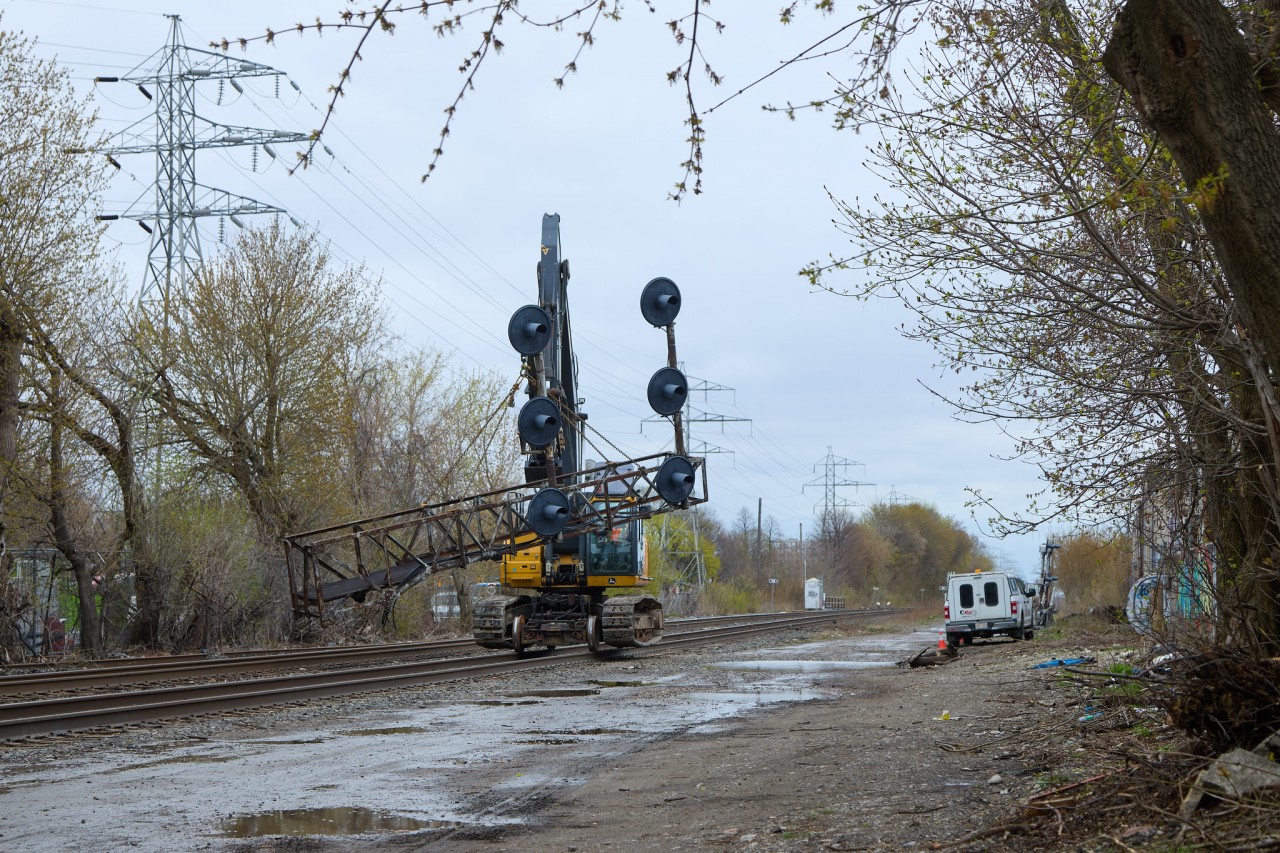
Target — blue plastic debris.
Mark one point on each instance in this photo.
(1050, 664)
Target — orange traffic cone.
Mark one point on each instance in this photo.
(942, 639)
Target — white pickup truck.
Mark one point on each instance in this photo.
(986, 604)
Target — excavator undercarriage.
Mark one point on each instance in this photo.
(554, 619)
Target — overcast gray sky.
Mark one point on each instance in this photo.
(808, 371)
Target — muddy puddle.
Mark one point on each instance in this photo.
(338, 820)
(390, 730)
(756, 697)
(557, 693)
(625, 683)
(177, 759)
(789, 666)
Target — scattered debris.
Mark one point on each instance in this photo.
(933, 657)
(1235, 775)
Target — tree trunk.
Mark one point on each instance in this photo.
(90, 629)
(1188, 69)
(10, 372)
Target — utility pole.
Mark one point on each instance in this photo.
(759, 516)
(178, 133)
(804, 559)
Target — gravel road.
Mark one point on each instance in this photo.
(800, 742)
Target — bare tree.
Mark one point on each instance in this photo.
(1053, 255)
(252, 376)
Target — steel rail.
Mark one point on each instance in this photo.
(73, 713)
(187, 666)
(206, 666)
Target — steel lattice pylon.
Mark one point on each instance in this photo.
(178, 132)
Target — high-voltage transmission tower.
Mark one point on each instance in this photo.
(169, 82)
(833, 478)
(896, 498)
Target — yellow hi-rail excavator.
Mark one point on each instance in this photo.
(567, 581)
(567, 538)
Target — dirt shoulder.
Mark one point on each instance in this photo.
(825, 745)
(901, 759)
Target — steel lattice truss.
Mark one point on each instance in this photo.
(400, 548)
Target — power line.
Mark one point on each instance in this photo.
(177, 134)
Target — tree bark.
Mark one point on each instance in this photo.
(1188, 69)
(10, 371)
(65, 540)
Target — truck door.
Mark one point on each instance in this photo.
(980, 599)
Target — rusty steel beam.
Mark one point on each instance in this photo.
(394, 549)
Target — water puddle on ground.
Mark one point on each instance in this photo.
(297, 741)
(558, 693)
(762, 697)
(547, 741)
(801, 665)
(177, 759)
(577, 732)
(625, 683)
(339, 820)
(395, 730)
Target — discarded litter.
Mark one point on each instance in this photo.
(1235, 775)
(1050, 664)
(945, 715)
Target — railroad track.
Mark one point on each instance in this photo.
(117, 672)
(79, 711)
